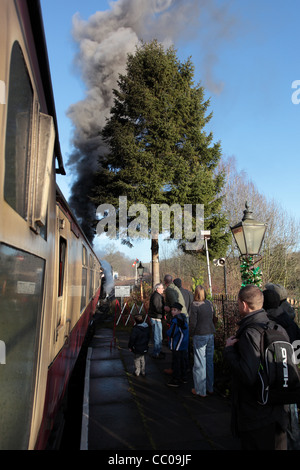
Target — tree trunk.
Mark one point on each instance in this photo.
(155, 261)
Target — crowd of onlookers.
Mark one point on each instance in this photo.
(181, 315)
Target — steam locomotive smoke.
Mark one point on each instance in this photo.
(103, 44)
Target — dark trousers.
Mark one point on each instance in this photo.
(180, 364)
(270, 437)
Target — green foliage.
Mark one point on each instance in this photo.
(250, 274)
(158, 150)
(197, 281)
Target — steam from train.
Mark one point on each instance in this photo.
(103, 44)
(108, 279)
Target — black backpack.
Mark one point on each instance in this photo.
(278, 375)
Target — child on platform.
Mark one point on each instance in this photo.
(138, 344)
(178, 334)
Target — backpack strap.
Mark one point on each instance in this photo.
(257, 326)
(261, 328)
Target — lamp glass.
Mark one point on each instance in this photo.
(140, 270)
(238, 234)
(254, 235)
(249, 237)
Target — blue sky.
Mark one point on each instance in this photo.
(255, 61)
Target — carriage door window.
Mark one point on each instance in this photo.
(83, 278)
(18, 128)
(91, 277)
(62, 263)
(61, 277)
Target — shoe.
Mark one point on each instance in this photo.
(196, 394)
(173, 383)
(168, 371)
(157, 356)
(209, 393)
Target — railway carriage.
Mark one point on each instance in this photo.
(50, 277)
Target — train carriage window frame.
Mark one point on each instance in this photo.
(18, 133)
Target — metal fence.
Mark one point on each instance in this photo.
(226, 308)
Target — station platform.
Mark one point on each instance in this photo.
(122, 412)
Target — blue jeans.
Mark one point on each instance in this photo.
(157, 336)
(203, 370)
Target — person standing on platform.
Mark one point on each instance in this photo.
(187, 295)
(138, 344)
(178, 334)
(260, 427)
(156, 314)
(173, 294)
(202, 330)
(276, 313)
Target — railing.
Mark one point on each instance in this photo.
(227, 312)
(226, 307)
(125, 313)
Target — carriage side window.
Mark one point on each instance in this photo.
(18, 129)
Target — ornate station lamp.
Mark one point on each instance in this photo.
(249, 235)
(140, 270)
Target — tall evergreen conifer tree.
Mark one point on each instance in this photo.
(158, 150)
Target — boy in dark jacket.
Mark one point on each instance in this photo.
(138, 344)
(178, 334)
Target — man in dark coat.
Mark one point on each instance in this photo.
(156, 313)
(276, 312)
(283, 302)
(260, 427)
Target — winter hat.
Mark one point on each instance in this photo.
(177, 305)
(271, 299)
(281, 291)
(177, 282)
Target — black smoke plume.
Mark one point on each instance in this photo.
(103, 44)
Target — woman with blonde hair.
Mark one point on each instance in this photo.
(202, 329)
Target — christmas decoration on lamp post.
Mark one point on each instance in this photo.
(249, 235)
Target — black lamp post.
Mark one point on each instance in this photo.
(249, 235)
(140, 270)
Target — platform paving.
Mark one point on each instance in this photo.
(125, 412)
